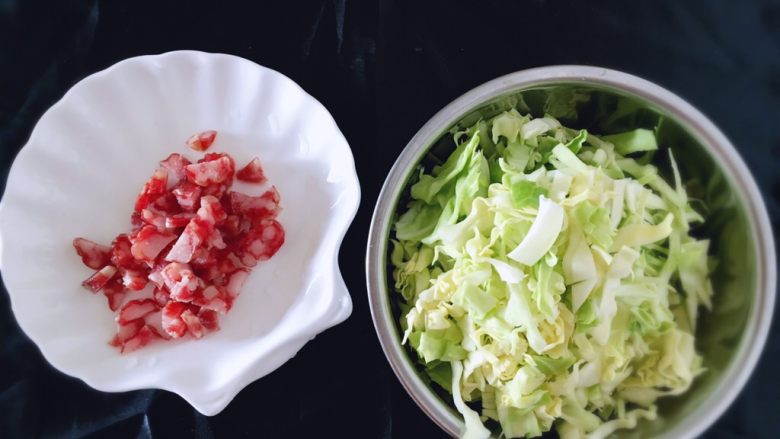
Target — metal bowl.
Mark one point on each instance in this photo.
(730, 337)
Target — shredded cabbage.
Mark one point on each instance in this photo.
(548, 278)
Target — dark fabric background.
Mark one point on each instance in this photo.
(382, 68)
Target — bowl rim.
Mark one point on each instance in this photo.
(696, 123)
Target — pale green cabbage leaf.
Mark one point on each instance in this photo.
(547, 278)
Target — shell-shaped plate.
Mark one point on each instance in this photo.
(81, 170)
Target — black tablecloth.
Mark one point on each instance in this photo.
(382, 69)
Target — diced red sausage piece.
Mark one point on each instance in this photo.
(211, 156)
(154, 322)
(149, 243)
(193, 323)
(135, 309)
(121, 256)
(236, 202)
(134, 280)
(161, 296)
(114, 286)
(231, 225)
(212, 275)
(219, 304)
(155, 275)
(154, 218)
(136, 223)
(115, 300)
(125, 332)
(209, 319)
(173, 272)
(187, 195)
(203, 295)
(175, 164)
(185, 289)
(252, 172)
(236, 281)
(209, 293)
(93, 255)
(256, 208)
(215, 240)
(100, 278)
(115, 292)
(211, 172)
(178, 220)
(204, 259)
(211, 210)
(190, 242)
(141, 339)
(229, 263)
(181, 282)
(172, 323)
(215, 298)
(248, 260)
(216, 190)
(246, 224)
(167, 203)
(154, 188)
(263, 240)
(202, 141)
(200, 258)
(191, 238)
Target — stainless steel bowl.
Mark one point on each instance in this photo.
(730, 337)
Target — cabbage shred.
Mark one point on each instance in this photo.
(548, 278)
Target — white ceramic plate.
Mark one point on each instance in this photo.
(81, 170)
